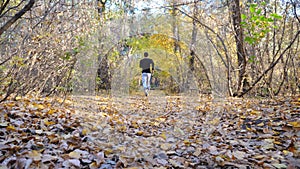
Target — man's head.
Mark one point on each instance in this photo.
(146, 54)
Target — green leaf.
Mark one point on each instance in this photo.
(67, 56)
(276, 16)
(251, 59)
(263, 18)
(252, 8)
(76, 50)
(243, 16)
(243, 23)
(250, 40)
(258, 11)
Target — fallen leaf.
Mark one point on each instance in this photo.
(35, 155)
(10, 128)
(279, 165)
(74, 162)
(48, 158)
(239, 154)
(295, 123)
(74, 154)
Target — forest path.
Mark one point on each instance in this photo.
(191, 132)
(150, 132)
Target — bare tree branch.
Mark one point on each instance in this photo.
(17, 16)
(271, 66)
(3, 6)
(295, 10)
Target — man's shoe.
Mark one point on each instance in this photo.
(146, 92)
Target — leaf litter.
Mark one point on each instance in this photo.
(98, 132)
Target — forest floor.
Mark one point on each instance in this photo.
(150, 132)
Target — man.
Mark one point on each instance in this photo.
(147, 66)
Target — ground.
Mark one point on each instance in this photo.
(150, 132)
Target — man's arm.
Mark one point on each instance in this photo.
(152, 66)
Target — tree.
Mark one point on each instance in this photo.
(239, 40)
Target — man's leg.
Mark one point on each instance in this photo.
(145, 82)
(148, 75)
(148, 80)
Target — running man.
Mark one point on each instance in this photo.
(147, 66)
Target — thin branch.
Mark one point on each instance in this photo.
(11, 8)
(45, 15)
(295, 10)
(17, 16)
(208, 28)
(4, 6)
(271, 66)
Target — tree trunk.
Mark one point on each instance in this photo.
(175, 30)
(239, 39)
(192, 49)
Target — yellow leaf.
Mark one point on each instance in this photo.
(108, 151)
(74, 154)
(254, 112)
(166, 146)
(248, 128)
(94, 128)
(243, 117)
(10, 128)
(122, 128)
(161, 119)
(139, 133)
(11, 104)
(260, 124)
(295, 123)
(277, 142)
(215, 121)
(18, 98)
(48, 123)
(259, 157)
(51, 111)
(286, 152)
(120, 122)
(85, 131)
(163, 135)
(39, 106)
(134, 124)
(187, 142)
(121, 148)
(35, 155)
(155, 123)
(93, 165)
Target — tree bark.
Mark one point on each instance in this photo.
(239, 39)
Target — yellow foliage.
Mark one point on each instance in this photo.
(10, 128)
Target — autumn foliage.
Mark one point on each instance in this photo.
(96, 132)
